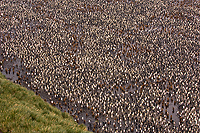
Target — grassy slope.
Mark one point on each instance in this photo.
(22, 111)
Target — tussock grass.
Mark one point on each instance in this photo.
(22, 111)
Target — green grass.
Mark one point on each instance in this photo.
(21, 111)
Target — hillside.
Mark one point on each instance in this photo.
(22, 111)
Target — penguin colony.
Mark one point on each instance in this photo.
(115, 65)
